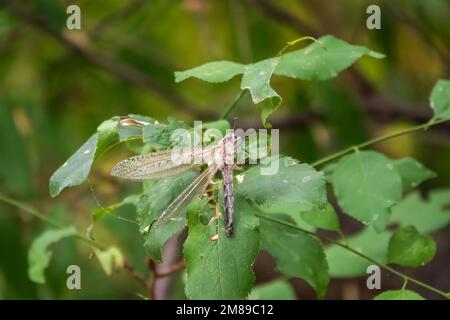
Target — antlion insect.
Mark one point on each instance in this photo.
(163, 164)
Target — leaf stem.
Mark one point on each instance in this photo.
(294, 42)
(233, 105)
(405, 283)
(29, 210)
(347, 247)
(42, 217)
(371, 142)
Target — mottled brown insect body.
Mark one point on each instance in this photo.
(227, 174)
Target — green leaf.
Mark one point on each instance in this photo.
(321, 62)
(101, 212)
(323, 218)
(399, 295)
(257, 80)
(409, 248)
(157, 237)
(366, 186)
(268, 106)
(316, 62)
(412, 172)
(160, 135)
(107, 137)
(127, 132)
(110, 259)
(426, 215)
(274, 290)
(297, 254)
(345, 264)
(39, 256)
(440, 99)
(295, 187)
(75, 170)
(217, 71)
(222, 268)
(152, 204)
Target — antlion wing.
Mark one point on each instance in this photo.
(157, 164)
(196, 188)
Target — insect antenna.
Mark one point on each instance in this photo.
(235, 121)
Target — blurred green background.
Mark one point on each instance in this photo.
(57, 86)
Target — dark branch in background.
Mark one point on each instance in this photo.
(149, 283)
(372, 104)
(365, 90)
(288, 19)
(105, 62)
(130, 268)
(128, 10)
(387, 110)
(284, 17)
(155, 274)
(403, 16)
(99, 33)
(382, 111)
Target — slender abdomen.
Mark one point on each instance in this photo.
(227, 174)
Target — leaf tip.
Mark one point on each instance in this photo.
(179, 76)
(376, 55)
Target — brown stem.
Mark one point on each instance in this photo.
(283, 17)
(130, 268)
(127, 10)
(180, 265)
(155, 274)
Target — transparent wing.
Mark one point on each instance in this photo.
(156, 165)
(196, 188)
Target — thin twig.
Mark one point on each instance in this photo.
(30, 210)
(292, 43)
(151, 281)
(368, 143)
(155, 274)
(136, 275)
(35, 213)
(283, 16)
(416, 26)
(180, 265)
(127, 10)
(344, 246)
(106, 62)
(233, 105)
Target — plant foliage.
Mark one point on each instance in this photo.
(271, 211)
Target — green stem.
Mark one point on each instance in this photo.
(405, 283)
(294, 42)
(347, 247)
(368, 143)
(29, 210)
(233, 105)
(287, 46)
(42, 217)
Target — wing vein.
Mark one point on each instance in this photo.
(197, 187)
